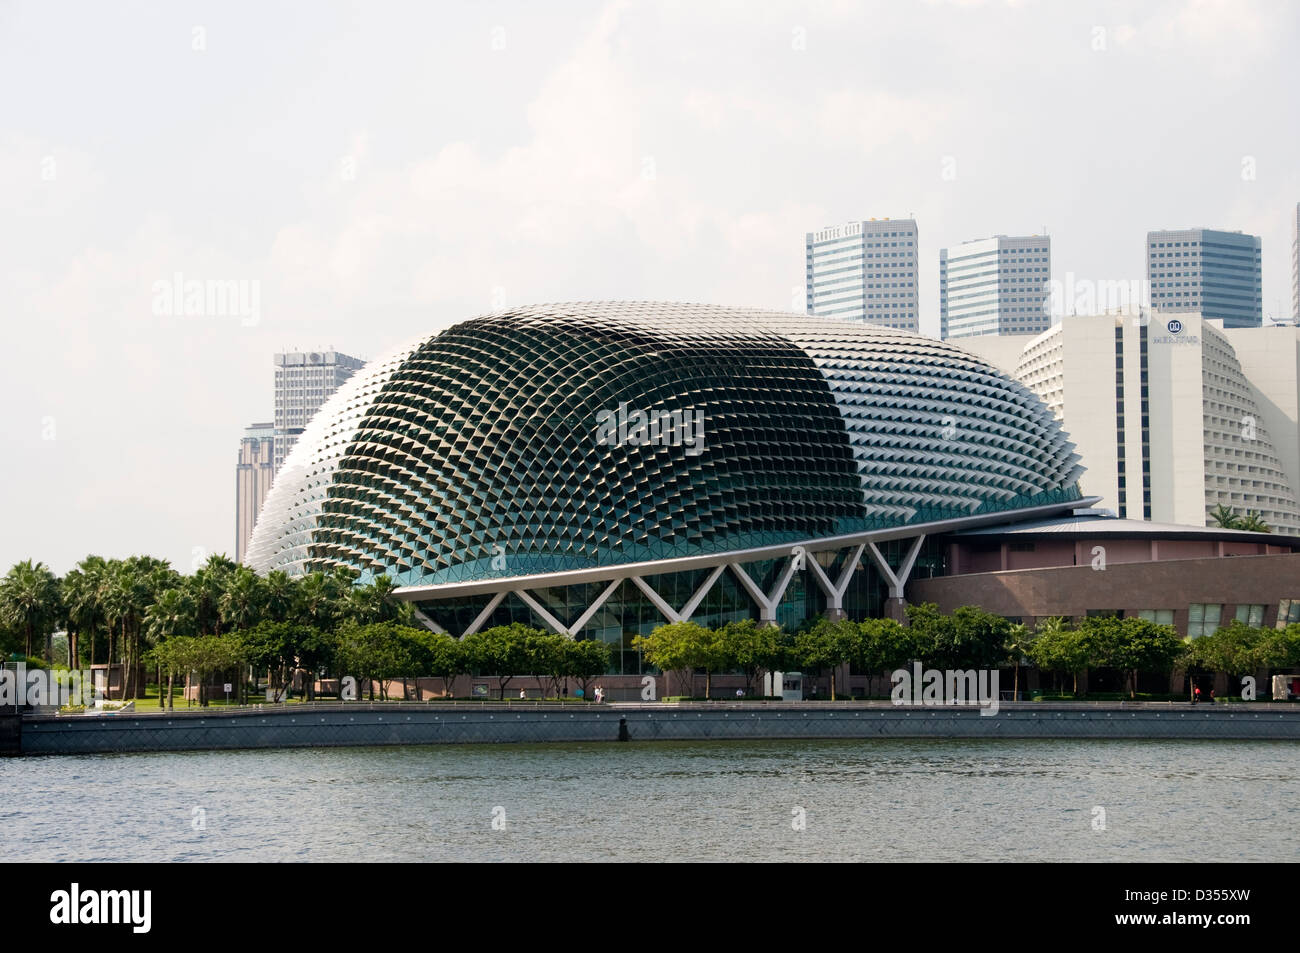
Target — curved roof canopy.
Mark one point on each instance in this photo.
(570, 436)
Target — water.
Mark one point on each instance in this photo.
(860, 800)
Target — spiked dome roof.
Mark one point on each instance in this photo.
(485, 440)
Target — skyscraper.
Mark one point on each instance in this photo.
(1215, 273)
(1295, 263)
(996, 285)
(1174, 416)
(864, 271)
(303, 380)
(253, 476)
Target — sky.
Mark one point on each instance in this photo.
(371, 172)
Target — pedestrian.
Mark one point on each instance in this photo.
(1211, 696)
(522, 693)
(1196, 695)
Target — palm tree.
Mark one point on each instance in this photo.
(1019, 639)
(1253, 522)
(241, 602)
(170, 616)
(280, 590)
(207, 586)
(1225, 517)
(315, 601)
(29, 601)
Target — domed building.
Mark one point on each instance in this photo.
(597, 468)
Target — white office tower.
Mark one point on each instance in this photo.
(864, 271)
(1216, 273)
(303, 380)
(999, 285)
(1163, 416)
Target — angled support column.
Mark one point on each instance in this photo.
(667, 611)
(594, 607)
(429, 623)
(556, 625)
(896, 580)
(767, 603)
(485, 614)
(693, 603)
(834, 591)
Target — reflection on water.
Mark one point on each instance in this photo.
(861, 800)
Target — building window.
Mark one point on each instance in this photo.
(1288, 611)
(1252, 615)
(1202, 619)
(1158, 616)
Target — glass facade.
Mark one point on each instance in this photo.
(1216, 273)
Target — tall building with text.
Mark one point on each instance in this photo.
(253, 475)
(303, 380)
(864, 271)
(1172, 416)
(999, 285)
(1216, 273)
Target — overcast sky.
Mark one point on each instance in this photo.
(381, 170)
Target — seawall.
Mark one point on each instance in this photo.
(360, 723)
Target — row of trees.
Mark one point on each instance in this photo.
(967, 638)
(117, 610)
(380, 652)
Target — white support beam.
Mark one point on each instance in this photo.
(767, 602)
(429, 623)
(905, 571)
(842, 584)
(485, 614)
(896, 580)
(556, 625)
(594, 607)
(758, 595)
(834, 591)
(693, 603)
(667, 611)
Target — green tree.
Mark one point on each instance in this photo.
(1057, 647)
(501, 651)
(1019, 639)
(676, 647)
(587, 660)
(1225, 518)
(885, 645)
(1253, 522)
(752, 647)
(1132, 645)
(447, 659)
(280, 592)
(30, 603)
(171, 615)
(243, 599)
(826, 645)
(1235, 649)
